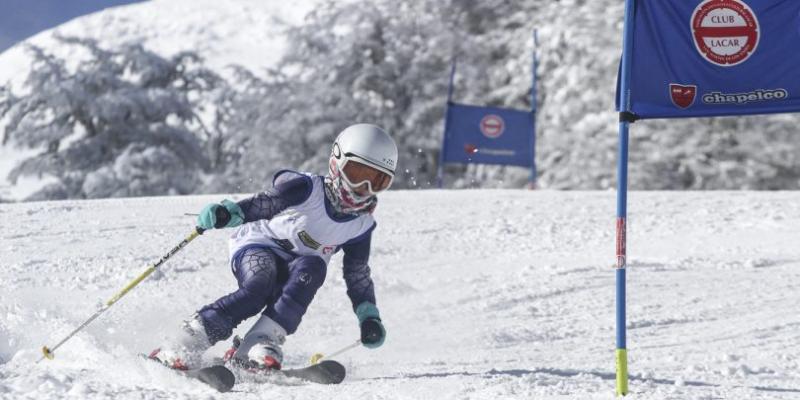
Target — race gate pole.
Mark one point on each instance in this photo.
(622, 200)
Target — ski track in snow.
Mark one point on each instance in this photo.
(485, 294)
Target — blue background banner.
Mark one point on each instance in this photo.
(694, 58)
(489, 135)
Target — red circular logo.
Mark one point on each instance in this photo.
(726, 32)
(492, 126)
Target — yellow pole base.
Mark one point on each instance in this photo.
(622, 372)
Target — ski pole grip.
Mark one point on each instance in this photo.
(221, 217)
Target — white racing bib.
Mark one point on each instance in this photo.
(306, 229)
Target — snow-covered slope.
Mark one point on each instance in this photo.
(485, 295)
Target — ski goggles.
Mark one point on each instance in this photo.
(356, 174)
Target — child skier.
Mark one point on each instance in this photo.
(281, 249)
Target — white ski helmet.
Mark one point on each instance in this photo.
(362, 164)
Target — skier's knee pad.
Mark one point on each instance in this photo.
(256, 270)
(308, 271)
(306, 275)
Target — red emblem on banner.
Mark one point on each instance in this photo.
(470, 148)
(682, 95)
(726, 32)
(492, 126)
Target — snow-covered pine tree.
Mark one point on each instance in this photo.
(255, 139)
(388, 61)
(384, 62)
(121, 123)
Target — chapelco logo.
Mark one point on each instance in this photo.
(726, 32)
(683, 96)
(744, 98)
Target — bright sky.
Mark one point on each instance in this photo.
(20, 19)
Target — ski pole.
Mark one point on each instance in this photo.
(317, 357)
(49, 353)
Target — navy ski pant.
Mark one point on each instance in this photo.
(282, 291)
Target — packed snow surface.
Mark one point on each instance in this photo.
(485, 295)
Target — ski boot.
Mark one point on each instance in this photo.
(187, 348)
(260, 350)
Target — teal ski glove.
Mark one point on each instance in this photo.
(225, 215)
(369, 320)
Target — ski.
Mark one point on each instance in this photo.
(218, 377)
(327, 372)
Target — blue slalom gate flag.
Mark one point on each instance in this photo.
(488, 135)
(694, 58)
(698, 58)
